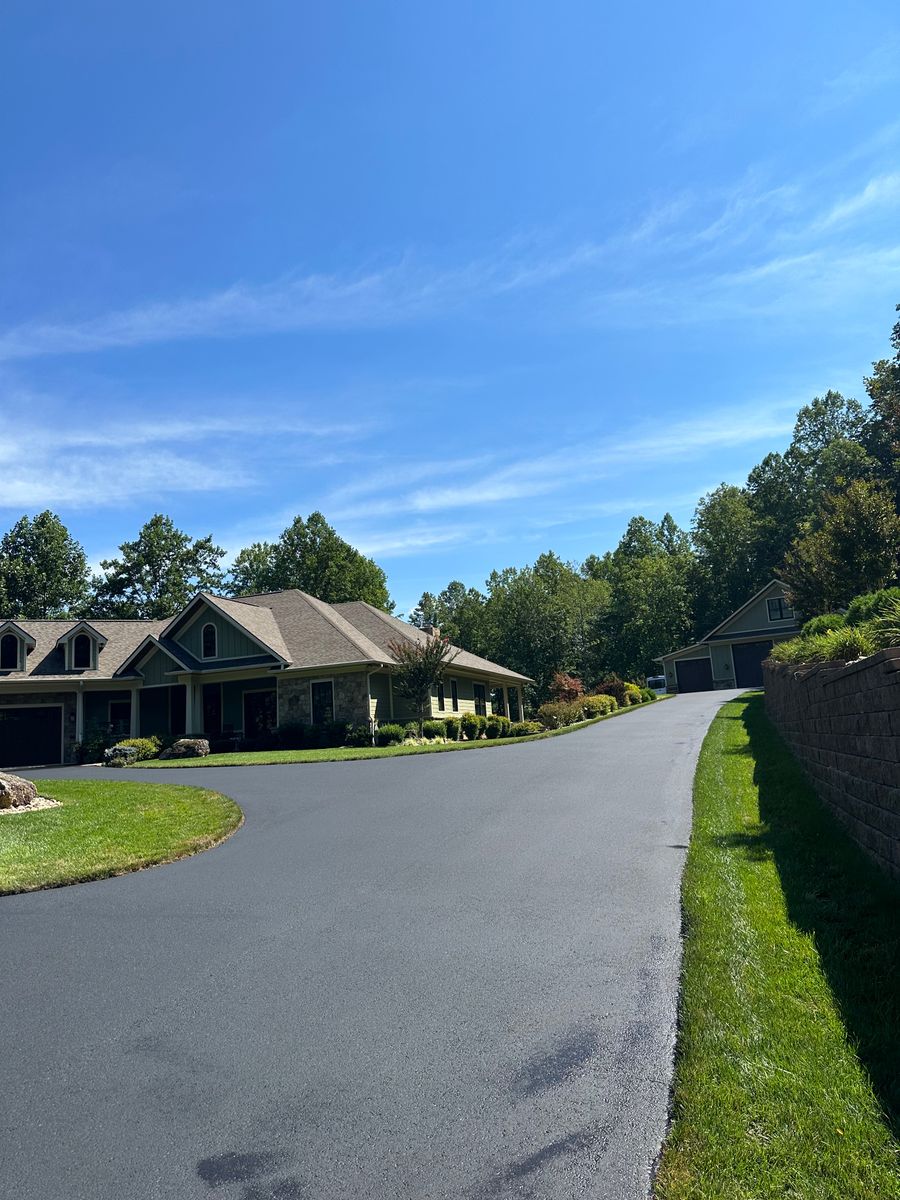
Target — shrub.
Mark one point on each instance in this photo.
(872, 605)
(525, 728)
(451, 726)
(885, 628)
(838, 645)
(470, 725)
(556, 713)
(146, 747)
(633, 694)
(615, 687)
(390, 735)
(411, 729)
(434, 729)
(598, 706)
(823, 624)
(647, 695)
(497, 726)
(293, 736)
(358, 735)
(565, 687)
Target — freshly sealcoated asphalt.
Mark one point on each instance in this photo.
(446, 976)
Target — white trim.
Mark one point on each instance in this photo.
(203, 656)
(150, 640)
(20, 649)
(779, 620)
(62, 728)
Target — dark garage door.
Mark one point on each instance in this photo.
(748, 659)
(694, 675)
(30, 737)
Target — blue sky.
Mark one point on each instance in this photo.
(475, 280)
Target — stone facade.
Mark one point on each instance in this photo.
(66, 699)
(351, 698)
(843, 725)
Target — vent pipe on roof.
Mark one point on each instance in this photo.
(432, 630)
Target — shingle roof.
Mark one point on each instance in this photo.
(47, 660)
(383, 629)
(304, 632)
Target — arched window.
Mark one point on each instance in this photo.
(81, 652)
(209, 641)
(9, 652)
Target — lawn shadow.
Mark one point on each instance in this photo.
(838, 895)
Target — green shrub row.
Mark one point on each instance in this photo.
(835, 638)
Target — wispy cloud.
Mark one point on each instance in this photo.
(875, 70)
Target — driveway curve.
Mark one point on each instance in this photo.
(446, 976)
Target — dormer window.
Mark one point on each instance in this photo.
(81, 652)
(9, 652)
(210, 641)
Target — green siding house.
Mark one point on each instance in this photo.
(731, 655)
(222, 668)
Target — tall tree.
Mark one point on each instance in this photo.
(157, 573)
(883, 431)
(43, 570)
(855, 549)
(725, 538)
(459, 613)
(310, 555)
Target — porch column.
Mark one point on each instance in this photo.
(135, 713)
(194, 710)
(505, 700)
(79, 715)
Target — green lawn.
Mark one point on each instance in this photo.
(108, 828)
(787, 1077)
(258, 758)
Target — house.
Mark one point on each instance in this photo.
(220, 668)
(731, 655)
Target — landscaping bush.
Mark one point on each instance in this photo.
(823, 624)
(470, 726)
(434, 729)
(411, 729)
(92, 747)
(525, 728)
(872, 605)
(451, 727)
(648, 695)
(565, 687)
(598, 706)
(557, 713)
(839, 645)
(390, 735)
(885, 628)
(292, 736)
(146, 747)
(615, 687)
(497, 726)
(632, 694)
(358, 735)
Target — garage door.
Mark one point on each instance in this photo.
(748, 660)
(694, 675)
(31, 737)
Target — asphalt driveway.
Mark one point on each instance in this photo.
(442, 976)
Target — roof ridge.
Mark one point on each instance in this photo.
(330, 614)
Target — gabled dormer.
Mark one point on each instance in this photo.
(81, 646)
(15, 645)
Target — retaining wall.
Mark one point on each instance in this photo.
(843, 725)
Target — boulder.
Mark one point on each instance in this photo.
(187, 748)
(14, 792)
(120, 756)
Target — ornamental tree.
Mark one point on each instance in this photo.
(420, 668)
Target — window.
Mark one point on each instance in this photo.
(260, 712)
(498, 704)
(454, 696)
(442, 700)
(480, 699)
(322, 701)
(210, 640)
(120, 717)
(9, 652)
(81, 652)
(780, 610)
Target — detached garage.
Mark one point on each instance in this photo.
(732, 654)
(31, 735)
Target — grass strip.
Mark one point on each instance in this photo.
(258, 758)
(104, 829)
(787, 1080)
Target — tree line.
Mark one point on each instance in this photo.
(824, 516)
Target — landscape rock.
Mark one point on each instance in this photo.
(187, 748)
(120, 756)
(16, 792)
